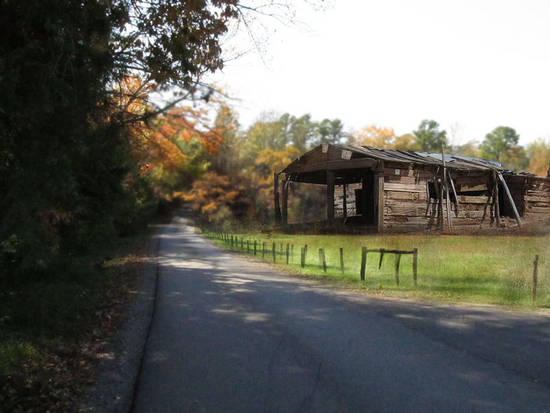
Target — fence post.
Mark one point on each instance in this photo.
(302, 257)
(287, 252)
(535, 277)
(363, 262)
(242, 243)
(231, 241)
(342, 259)
(263, 249)
(415, 265)
(274, 251)
(322, 259)
(254, 247)
(291, 250)
(397, 261)
(247, 246)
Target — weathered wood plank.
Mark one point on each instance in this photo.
(405, 196)
(392, 186)
(467, 199)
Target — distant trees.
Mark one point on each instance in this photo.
(71, 172)
(428, 136)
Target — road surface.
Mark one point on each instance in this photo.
(233, 335)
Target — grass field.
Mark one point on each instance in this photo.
(476, 269)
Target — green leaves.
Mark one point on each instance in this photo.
(428, 136)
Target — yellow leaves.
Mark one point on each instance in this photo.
(277, 160)
(539, 154)
(376, 136)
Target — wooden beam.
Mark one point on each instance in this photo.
(286, 183)
(510, 199)
(364, 198)
(333, 165)
(496, 200)
(379, 201)
(447, 200)
(278, 217)
(330, 198)
(345, 203)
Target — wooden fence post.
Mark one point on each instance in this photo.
(287, 252)
(415, 265)
(397, 261)
(535, 277)
(254, 247)
(302, 257)
(342, 260)
(363, 262)
(291, 251)
(274, 251)
(322, 259)
(247, 246)
(231, 241)
(263, 249)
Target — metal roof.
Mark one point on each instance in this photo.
(426, 158)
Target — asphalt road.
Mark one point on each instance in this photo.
(233, 335)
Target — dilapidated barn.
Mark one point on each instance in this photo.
(383, 190)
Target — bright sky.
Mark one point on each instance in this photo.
(471, 65)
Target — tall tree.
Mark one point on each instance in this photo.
(498, 142)
(428, 136)
(329, 131)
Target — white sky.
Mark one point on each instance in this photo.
(475, 64)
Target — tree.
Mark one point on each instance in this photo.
(406, 142)
(470, 148)
(375, 136)
(538, 153)
(428, 136)
(498, 142)
(328, 131)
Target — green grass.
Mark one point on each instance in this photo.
(475, 269)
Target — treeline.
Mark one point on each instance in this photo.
(73, 76)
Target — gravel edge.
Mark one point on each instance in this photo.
(117, 374)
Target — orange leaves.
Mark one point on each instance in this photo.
(214, 193)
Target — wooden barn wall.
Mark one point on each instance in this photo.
(405, 197)
(536, 198)
(408, 206)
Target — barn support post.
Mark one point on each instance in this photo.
(496, 199)
(446, 185)
(364, 199)
(379, 200)
(286, 183)
(330, 198)
(345, 203)
(278, 217)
